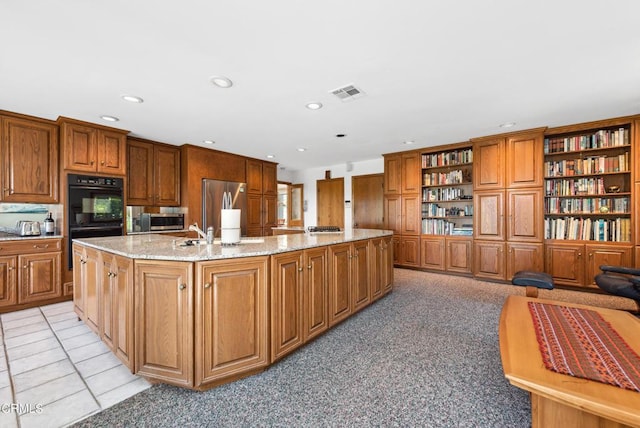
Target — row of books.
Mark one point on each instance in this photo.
(437, 227)
(574, 187)
(600, 139)
(435, 210)
(586, 205)
(587, 165)
(451, 177)
(587, 229)
(448, 158)
(446, 194)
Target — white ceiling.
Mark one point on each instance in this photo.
(434, 72)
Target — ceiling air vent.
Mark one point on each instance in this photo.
(348, 93)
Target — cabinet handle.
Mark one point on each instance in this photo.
(182, 287)
(25, 266)
(309, 267)
(590, 255)
(300, 269)
(102, 163)
(91, 162)
(41, 246)
(579, 254)
(207, 285)
(11, 268)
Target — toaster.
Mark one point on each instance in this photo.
(28, 228)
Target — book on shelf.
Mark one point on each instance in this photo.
(587, 165)
(587, 229)
(455, 157)
(603, 138)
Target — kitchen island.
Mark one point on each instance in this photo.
(200, 315)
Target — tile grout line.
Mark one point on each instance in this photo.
(72, 364)
(6, 358)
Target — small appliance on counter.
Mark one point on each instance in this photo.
(28, 228)
(150, 222)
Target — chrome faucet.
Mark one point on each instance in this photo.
(194, 228)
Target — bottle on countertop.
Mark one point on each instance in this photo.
(210, 235)
(49, 225)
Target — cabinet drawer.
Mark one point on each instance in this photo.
(30, 246)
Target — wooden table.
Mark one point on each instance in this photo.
(559, 400)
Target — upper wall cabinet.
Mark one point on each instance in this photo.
(153, 172)
(93, 148)
(29, 159)
(510, 161)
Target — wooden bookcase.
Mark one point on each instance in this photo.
(447, 209)
(588, 201)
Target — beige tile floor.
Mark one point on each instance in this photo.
(54, 371)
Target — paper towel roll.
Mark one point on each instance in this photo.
(230, 236)
(230, 219)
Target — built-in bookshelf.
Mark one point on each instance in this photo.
(588, 186)
(447, 192)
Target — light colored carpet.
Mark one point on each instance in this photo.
(425, 355)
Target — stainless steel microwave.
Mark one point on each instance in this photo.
(161, 221)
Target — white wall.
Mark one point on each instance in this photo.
(308, 178)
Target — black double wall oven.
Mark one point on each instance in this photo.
(95, 208)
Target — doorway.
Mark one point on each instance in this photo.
(330, 202)
(367, 201)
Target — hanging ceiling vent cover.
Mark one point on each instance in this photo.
(348, 93)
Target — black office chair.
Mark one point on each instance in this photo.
(620, 281)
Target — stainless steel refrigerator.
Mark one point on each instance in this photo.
(212, 195)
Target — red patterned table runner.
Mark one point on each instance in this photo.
(579, 342)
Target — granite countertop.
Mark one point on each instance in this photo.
(162, 247)
(7, 236)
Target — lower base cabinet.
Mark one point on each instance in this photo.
(501, 260)
(30, 273)
(201, 324)
(576, 264)
(446, 253)
(231, 324)
(164, 321)
(406, 250)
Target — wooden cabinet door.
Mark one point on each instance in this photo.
(411, 214)
(232, 325)
(254, 176)
(315, 305)
(269, 179)
(164, 321)
(167, 176)
(598, 255)
(8, 281)
(393, 213)
(140, 173)
(91, 289)
(525, 215)
(411, 173)
(39, 277)
(432, 252)
(29, 155)
(410, 251)
(488, 164)
(286, 303)
(111, 152)
(525, 159)
(396, 245)
(488, 217)
(80, 147)
(488, 260)
(254, 212)
(123, 309)
(392, 174)
(107, 303)
(79, 281)
(270, 214)
(339, 282)
(376, 266)
(386, 268)
(360, 277)
(459, 255)
(565, 263)
(524, 256)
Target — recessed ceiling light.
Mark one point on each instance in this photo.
(408, 142)
(341, 135)
(208, 141)
(221, 81)
(314, 106)
(270, 156)
(507, 125)
(302, 149)
(109, 118)
(132, 99)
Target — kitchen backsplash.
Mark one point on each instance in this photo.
(11, 213)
